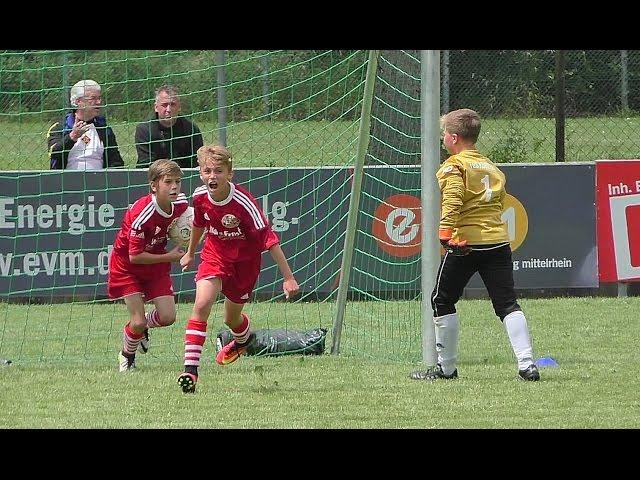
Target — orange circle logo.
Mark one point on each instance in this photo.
(396, 225)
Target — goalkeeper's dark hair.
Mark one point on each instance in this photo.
(163, 167)
(215, 153)
(463, 122)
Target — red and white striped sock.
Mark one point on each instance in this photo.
(130, 340)
(194, 338)
(241, 332)
(153, 319)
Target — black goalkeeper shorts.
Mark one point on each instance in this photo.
(492, 262)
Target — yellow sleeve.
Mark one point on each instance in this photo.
(451, 181)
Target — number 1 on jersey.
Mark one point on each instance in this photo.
(487, 192)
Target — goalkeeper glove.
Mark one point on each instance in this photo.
(458, 248)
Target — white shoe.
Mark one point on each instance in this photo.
(126, 363)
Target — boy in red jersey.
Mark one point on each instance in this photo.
(140, 267)
(237, 232)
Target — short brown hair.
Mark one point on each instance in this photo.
(216, 153)
(463, 122)
(170, 90)
(163, 167)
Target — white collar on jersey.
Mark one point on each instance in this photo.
(226, 200)
(160, 210)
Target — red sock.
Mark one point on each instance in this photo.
(241, 332)
(194, 338)
(130, 340)
(153, 319)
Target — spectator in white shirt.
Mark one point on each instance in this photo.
(82, 140)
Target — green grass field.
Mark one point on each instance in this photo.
(75, 384)
(23, 144)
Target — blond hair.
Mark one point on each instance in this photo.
(463, 122)
(215, 153)
(163, 167)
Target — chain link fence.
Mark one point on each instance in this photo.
(536, 105)
(516, 92)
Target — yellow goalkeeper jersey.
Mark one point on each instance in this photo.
(473, 192)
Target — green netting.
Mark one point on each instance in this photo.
(289, 117)
(386, 322)
(283, 108)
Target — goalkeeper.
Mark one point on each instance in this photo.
(475, 239)
(139, 266)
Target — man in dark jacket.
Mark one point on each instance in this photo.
(82, 140)
(167, 134)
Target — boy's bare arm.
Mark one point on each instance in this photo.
(290, 285)
(146, 258)
(189, 256)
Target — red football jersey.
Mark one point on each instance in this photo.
(144, 229)
(236, 228)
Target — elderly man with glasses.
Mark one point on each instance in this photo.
(82, 140)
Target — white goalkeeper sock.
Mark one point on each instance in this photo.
(516, 325)
(447, 341)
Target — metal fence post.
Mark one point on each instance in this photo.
(560, 113)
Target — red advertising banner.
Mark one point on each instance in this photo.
(618, 223)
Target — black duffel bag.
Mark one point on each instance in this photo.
(280, 341)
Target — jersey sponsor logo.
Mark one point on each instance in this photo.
(230, 221)
(136, 234)
(156, 241)
(225, 235)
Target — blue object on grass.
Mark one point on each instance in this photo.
(546, 362)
